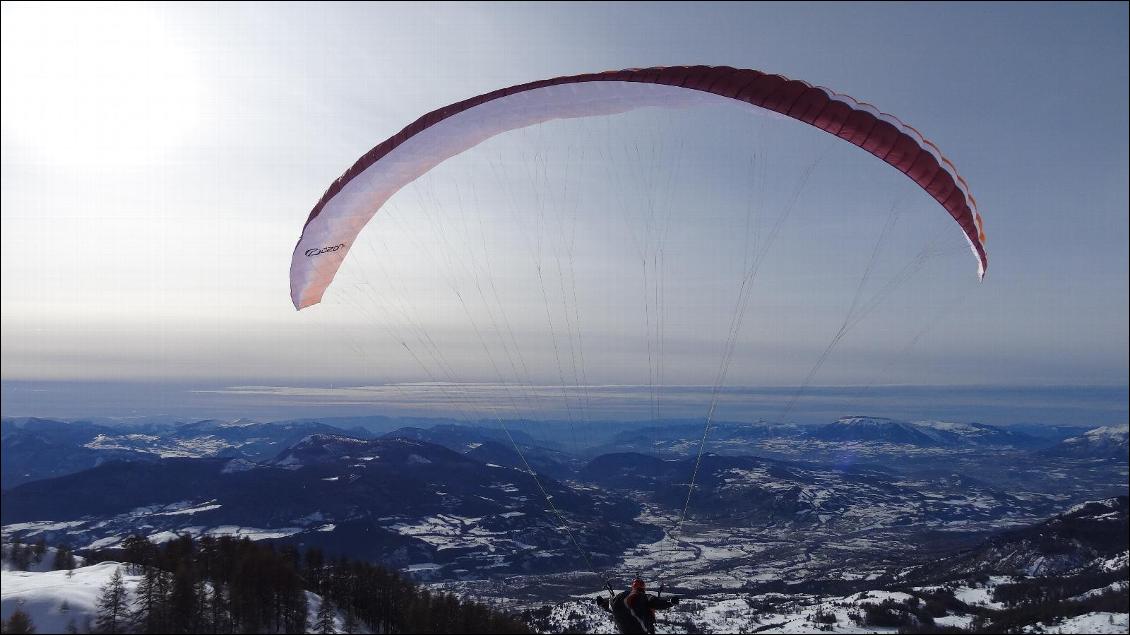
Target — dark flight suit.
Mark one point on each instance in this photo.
(634, 612)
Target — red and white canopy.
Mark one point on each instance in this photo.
(353, 199)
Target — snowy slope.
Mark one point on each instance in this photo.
(1089, 623)
(42, 595)
(57, 599)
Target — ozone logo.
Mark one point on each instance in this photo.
(323, 250)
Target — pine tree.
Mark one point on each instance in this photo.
(39, 550)
(183, 608)
(349, 623)
(21, 556)
(113, 605)
(225, 585)
(219, 615)
(19, 622)
(324, 622)
(315, 561)
(64, 558)
(294, 605)
(149, 603)
(139, 552)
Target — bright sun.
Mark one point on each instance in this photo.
(101, 83)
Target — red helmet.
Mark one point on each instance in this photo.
(638, 585)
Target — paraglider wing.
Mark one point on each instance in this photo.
(353, 199)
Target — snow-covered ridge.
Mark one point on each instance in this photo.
(315, 448)
(860, 420)
(961, 428)
(1106, 433)
(1106, 442)
(163, 523)
(1109, 503)
(239, 423)
(925, 433)
(1104, 436)
(322, 439)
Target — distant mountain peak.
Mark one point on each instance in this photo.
(927, 433)
(242, 422)
(856, 420)
(1109, 432)
(876, 429)
(321, 439)
(1107, 442)
(1100, 507)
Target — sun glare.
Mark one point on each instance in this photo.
(94, 83)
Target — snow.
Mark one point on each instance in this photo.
(107, 542)
(981, 595)
(235, 531)
(790, 614)
(956, 621)
(164, 447)
(737, 611)
(948, 426)
(1111, 503)
(1112, 433)
(424, 570)
(1120, 561)
(448, 531)
(41, 595)
(1089, 623)
(313, 605)
(191, 510)
(165, 536)
(254, 533)
(865, 421)
(37, 527)
(878, 597)
(425, 566)
(734, 611)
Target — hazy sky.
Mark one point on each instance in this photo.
(159, 161)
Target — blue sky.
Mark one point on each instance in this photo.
(154, 183)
